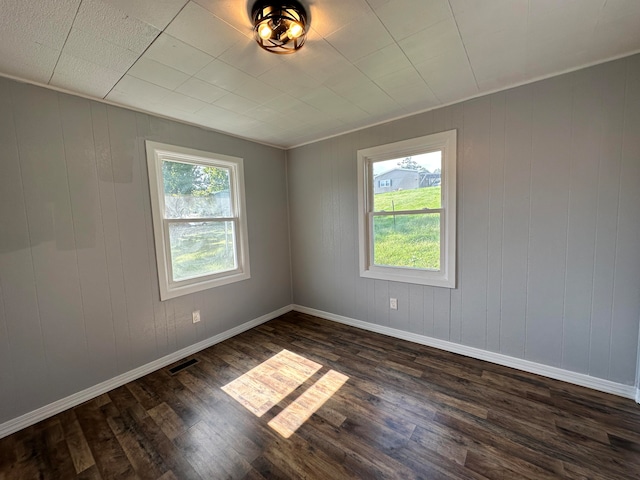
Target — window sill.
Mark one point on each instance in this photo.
(433, 279)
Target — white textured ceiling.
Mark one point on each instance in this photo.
(365, 61)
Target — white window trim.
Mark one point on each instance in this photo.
(446, 276)
(156, 153)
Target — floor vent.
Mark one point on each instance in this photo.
(182, 366)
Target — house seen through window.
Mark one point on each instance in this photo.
(407, 205)
(403, 238)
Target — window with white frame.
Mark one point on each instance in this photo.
(409, 234)
(384, 183)
(199, 219)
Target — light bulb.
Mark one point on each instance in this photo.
(295, 30)
(264, 31)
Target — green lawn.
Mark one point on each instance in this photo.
(407, 240)
(416, 199)
(201, 249)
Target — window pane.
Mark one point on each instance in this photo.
(411, 241)
(194, 191)
(410, 183)
(202, 248)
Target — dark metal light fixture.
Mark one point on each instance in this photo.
(280, 26)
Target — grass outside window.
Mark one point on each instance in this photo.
(409, 241)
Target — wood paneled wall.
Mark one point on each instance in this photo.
(79, 298)
(548, 224)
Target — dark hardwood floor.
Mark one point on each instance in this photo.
(405, 411)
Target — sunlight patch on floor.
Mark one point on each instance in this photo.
(266, 385)
(273, 380)
(294, 415)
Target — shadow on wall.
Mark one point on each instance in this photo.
(53, 168)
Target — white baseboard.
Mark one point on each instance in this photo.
(63, 404)
(607, 386)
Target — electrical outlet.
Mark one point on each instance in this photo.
(196, 316)
(393, 303)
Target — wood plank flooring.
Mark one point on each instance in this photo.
(405, 411)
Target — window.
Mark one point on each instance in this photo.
(199, 220)
(384, 183)
(409, 234)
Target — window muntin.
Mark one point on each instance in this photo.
(407, 232)
(199, 221)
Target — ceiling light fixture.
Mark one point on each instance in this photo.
(280, 26)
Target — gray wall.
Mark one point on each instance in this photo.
(548, 243)
(79, 298)
(548, 225)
